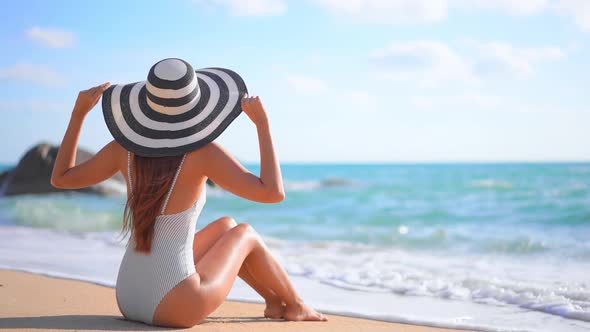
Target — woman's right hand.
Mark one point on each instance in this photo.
(252, 106)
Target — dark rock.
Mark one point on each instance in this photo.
(32, 175)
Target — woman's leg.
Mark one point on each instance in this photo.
(203, 241)
(220, 265)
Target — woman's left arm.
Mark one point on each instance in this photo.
(66, 174)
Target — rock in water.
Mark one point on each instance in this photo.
(32, 175)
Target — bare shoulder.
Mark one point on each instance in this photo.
(116, 147)
(117, 152)
(211, 151)
(212, 147)
(200, 158)
(208, 157)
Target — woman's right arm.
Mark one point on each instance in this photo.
(227, 172)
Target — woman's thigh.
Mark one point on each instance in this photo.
(206, 237)
(199, 295)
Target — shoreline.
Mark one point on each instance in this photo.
(41, 250)
(61, 303)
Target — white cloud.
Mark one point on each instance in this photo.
(579, 9)
(433, 11)
(31, 73)
(501, 57)
(362, 100)
(463, 99)
(424, 11)
(514, 7)
(34, 106)
(306, 84)
(426, 61)
(249, 7)
(51, 37)
(344, 98)
(435, 62)
(388, 11)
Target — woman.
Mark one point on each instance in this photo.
(164, 129)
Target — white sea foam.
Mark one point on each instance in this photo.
(492, 184)
(360, 280)
(318, 184)
(117, 187)
(302, 185)
(491, 279)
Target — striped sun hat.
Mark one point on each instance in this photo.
(177, 110)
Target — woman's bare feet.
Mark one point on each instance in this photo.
(300, 311)
(274, 308)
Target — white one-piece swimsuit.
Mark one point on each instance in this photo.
(144, 279)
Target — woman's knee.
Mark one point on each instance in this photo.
(247, 230)
(227, 223)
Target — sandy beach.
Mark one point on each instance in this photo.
(36, 302)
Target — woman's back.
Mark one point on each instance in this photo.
(144, 279)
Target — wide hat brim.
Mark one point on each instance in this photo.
(143, 131)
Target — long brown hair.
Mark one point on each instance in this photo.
(152, 179)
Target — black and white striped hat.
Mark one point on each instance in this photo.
(177, 110)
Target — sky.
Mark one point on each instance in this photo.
(356, 81)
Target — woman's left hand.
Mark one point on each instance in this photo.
(87, 99)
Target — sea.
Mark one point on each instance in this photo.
(489, 247)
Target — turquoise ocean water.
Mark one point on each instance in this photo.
(508, 242)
